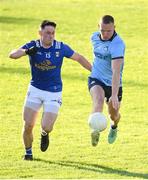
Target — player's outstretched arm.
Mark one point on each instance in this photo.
(17, 53)
(82, 60)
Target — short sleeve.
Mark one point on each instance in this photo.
(28, 45)
(117, 50)
(68, 52)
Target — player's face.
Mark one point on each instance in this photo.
(106, 30)
(47, 35)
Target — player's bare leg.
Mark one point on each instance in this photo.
(115, 117)
(48, 120)
(29, 116)
(97, 95)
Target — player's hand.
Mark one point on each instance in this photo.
(115, 102)
(31, 51)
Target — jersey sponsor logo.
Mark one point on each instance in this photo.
(48, 62)
(103, 57)
(45, 65)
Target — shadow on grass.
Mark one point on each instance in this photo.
(94, 168)
(17, 20)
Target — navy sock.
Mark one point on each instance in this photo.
(29, 151)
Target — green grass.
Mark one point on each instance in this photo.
(70, 154)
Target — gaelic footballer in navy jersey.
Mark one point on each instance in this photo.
(45, 88)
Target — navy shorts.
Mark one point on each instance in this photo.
(107, 89)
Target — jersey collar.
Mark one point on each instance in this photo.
(48, 47)
(113, 36)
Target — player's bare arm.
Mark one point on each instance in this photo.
(82, 60)
(17, 53)
(116, 65)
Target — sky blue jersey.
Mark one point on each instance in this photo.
(46, 65)
(106, 51)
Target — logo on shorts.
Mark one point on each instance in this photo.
(58, 101)
(28, 93)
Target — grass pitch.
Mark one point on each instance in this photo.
(70, 154)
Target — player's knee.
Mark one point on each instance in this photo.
(47, 129)
(28, 128)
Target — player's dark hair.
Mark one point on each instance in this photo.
(47, 23)
(107, 19)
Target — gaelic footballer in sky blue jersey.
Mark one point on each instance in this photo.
(105, 81)
(46, 65)
(106, 51)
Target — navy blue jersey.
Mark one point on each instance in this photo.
(46, 65)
